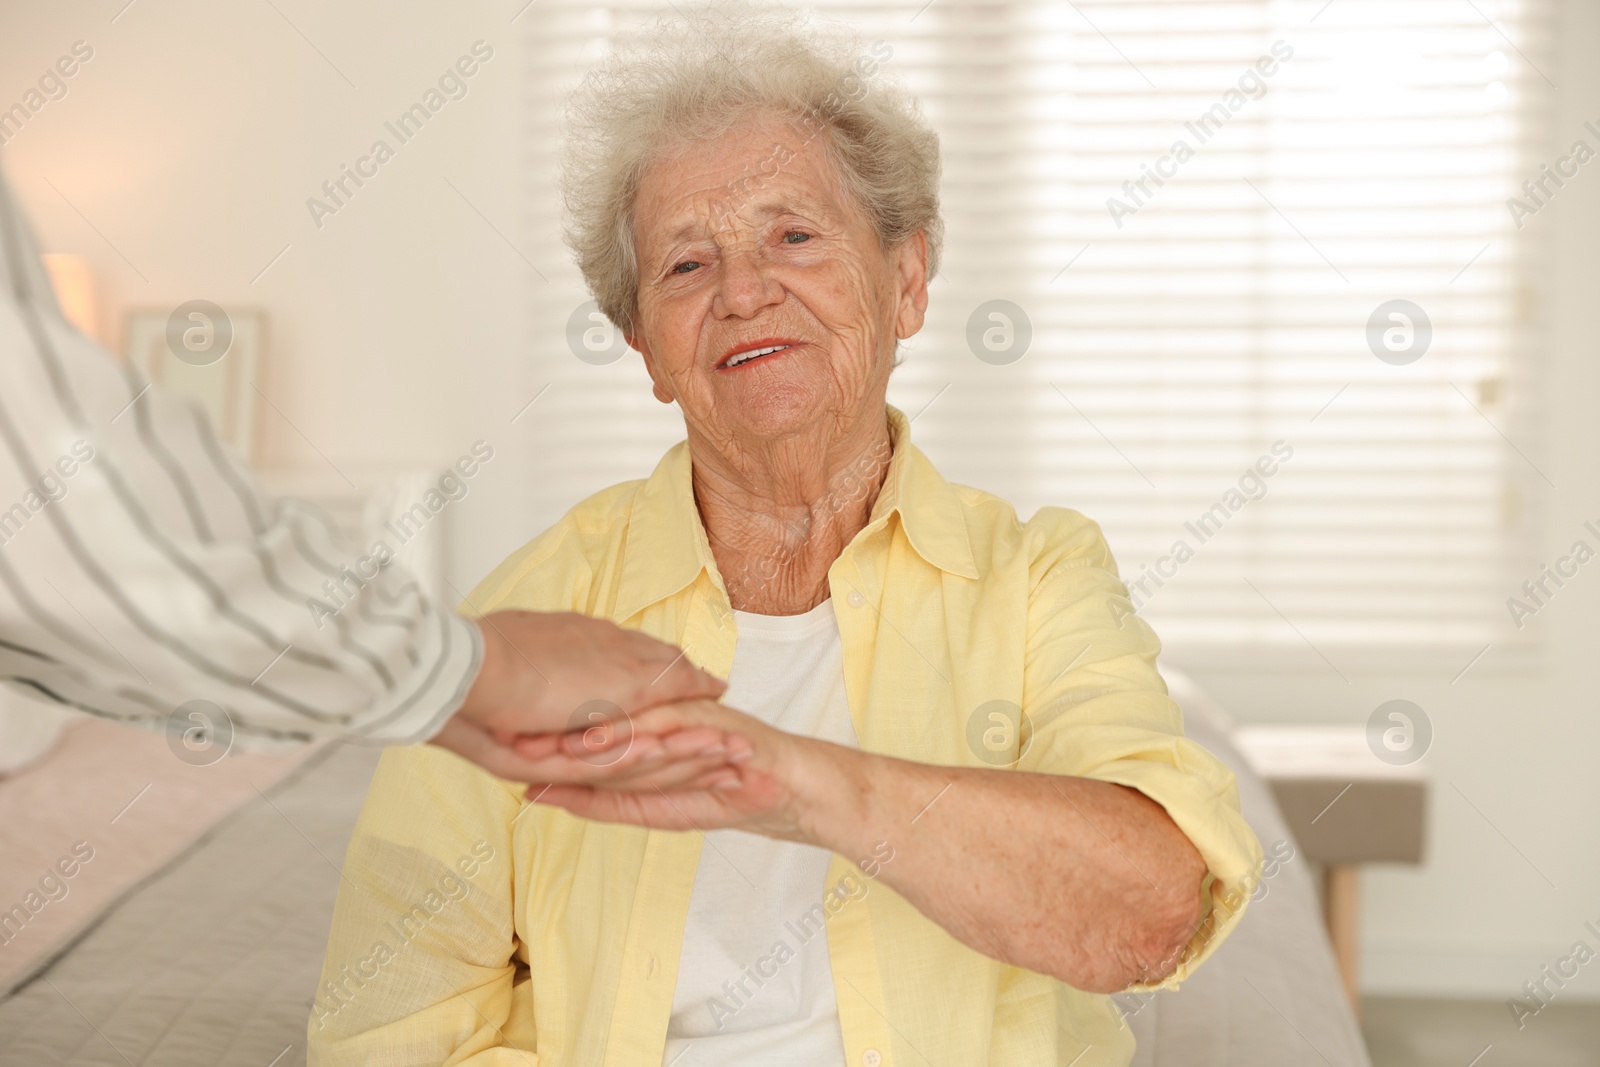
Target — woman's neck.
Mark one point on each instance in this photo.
(778, 514)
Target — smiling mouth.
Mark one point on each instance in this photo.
(747, 355)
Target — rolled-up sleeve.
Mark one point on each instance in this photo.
(1095, 706)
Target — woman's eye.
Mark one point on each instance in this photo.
(685, 267)
(796, 233)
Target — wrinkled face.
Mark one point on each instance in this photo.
(766, 305)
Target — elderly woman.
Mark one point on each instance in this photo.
(946, 806)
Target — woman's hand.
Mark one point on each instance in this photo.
(540, 666)
(623, 759)
(760, 785)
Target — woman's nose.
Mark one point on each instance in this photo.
(746, 286)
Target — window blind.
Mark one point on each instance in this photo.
(1292, 469)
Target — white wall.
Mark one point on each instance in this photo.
(191, 142)
(398, 337)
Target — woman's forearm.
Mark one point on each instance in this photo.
(1086, 881)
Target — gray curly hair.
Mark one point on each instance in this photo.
(696, 76)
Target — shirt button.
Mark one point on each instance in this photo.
(855, 600)
(871, 1058)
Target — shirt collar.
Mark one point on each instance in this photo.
(666, 546)
(930, 510)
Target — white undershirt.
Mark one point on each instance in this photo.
(751, 892)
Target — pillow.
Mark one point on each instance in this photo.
(29, 729)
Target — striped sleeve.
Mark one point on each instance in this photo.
(142, 569)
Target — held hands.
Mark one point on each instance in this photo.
(764, 785)
(544, 672)
(616, 726)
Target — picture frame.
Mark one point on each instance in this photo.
(210, 356)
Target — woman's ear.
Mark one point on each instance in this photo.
(912, 272)
(657, 385)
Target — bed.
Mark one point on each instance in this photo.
(207, 952)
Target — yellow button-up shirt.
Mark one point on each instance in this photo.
(474, 927)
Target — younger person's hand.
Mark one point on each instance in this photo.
(540, 669)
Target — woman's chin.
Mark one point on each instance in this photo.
(770, 408)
